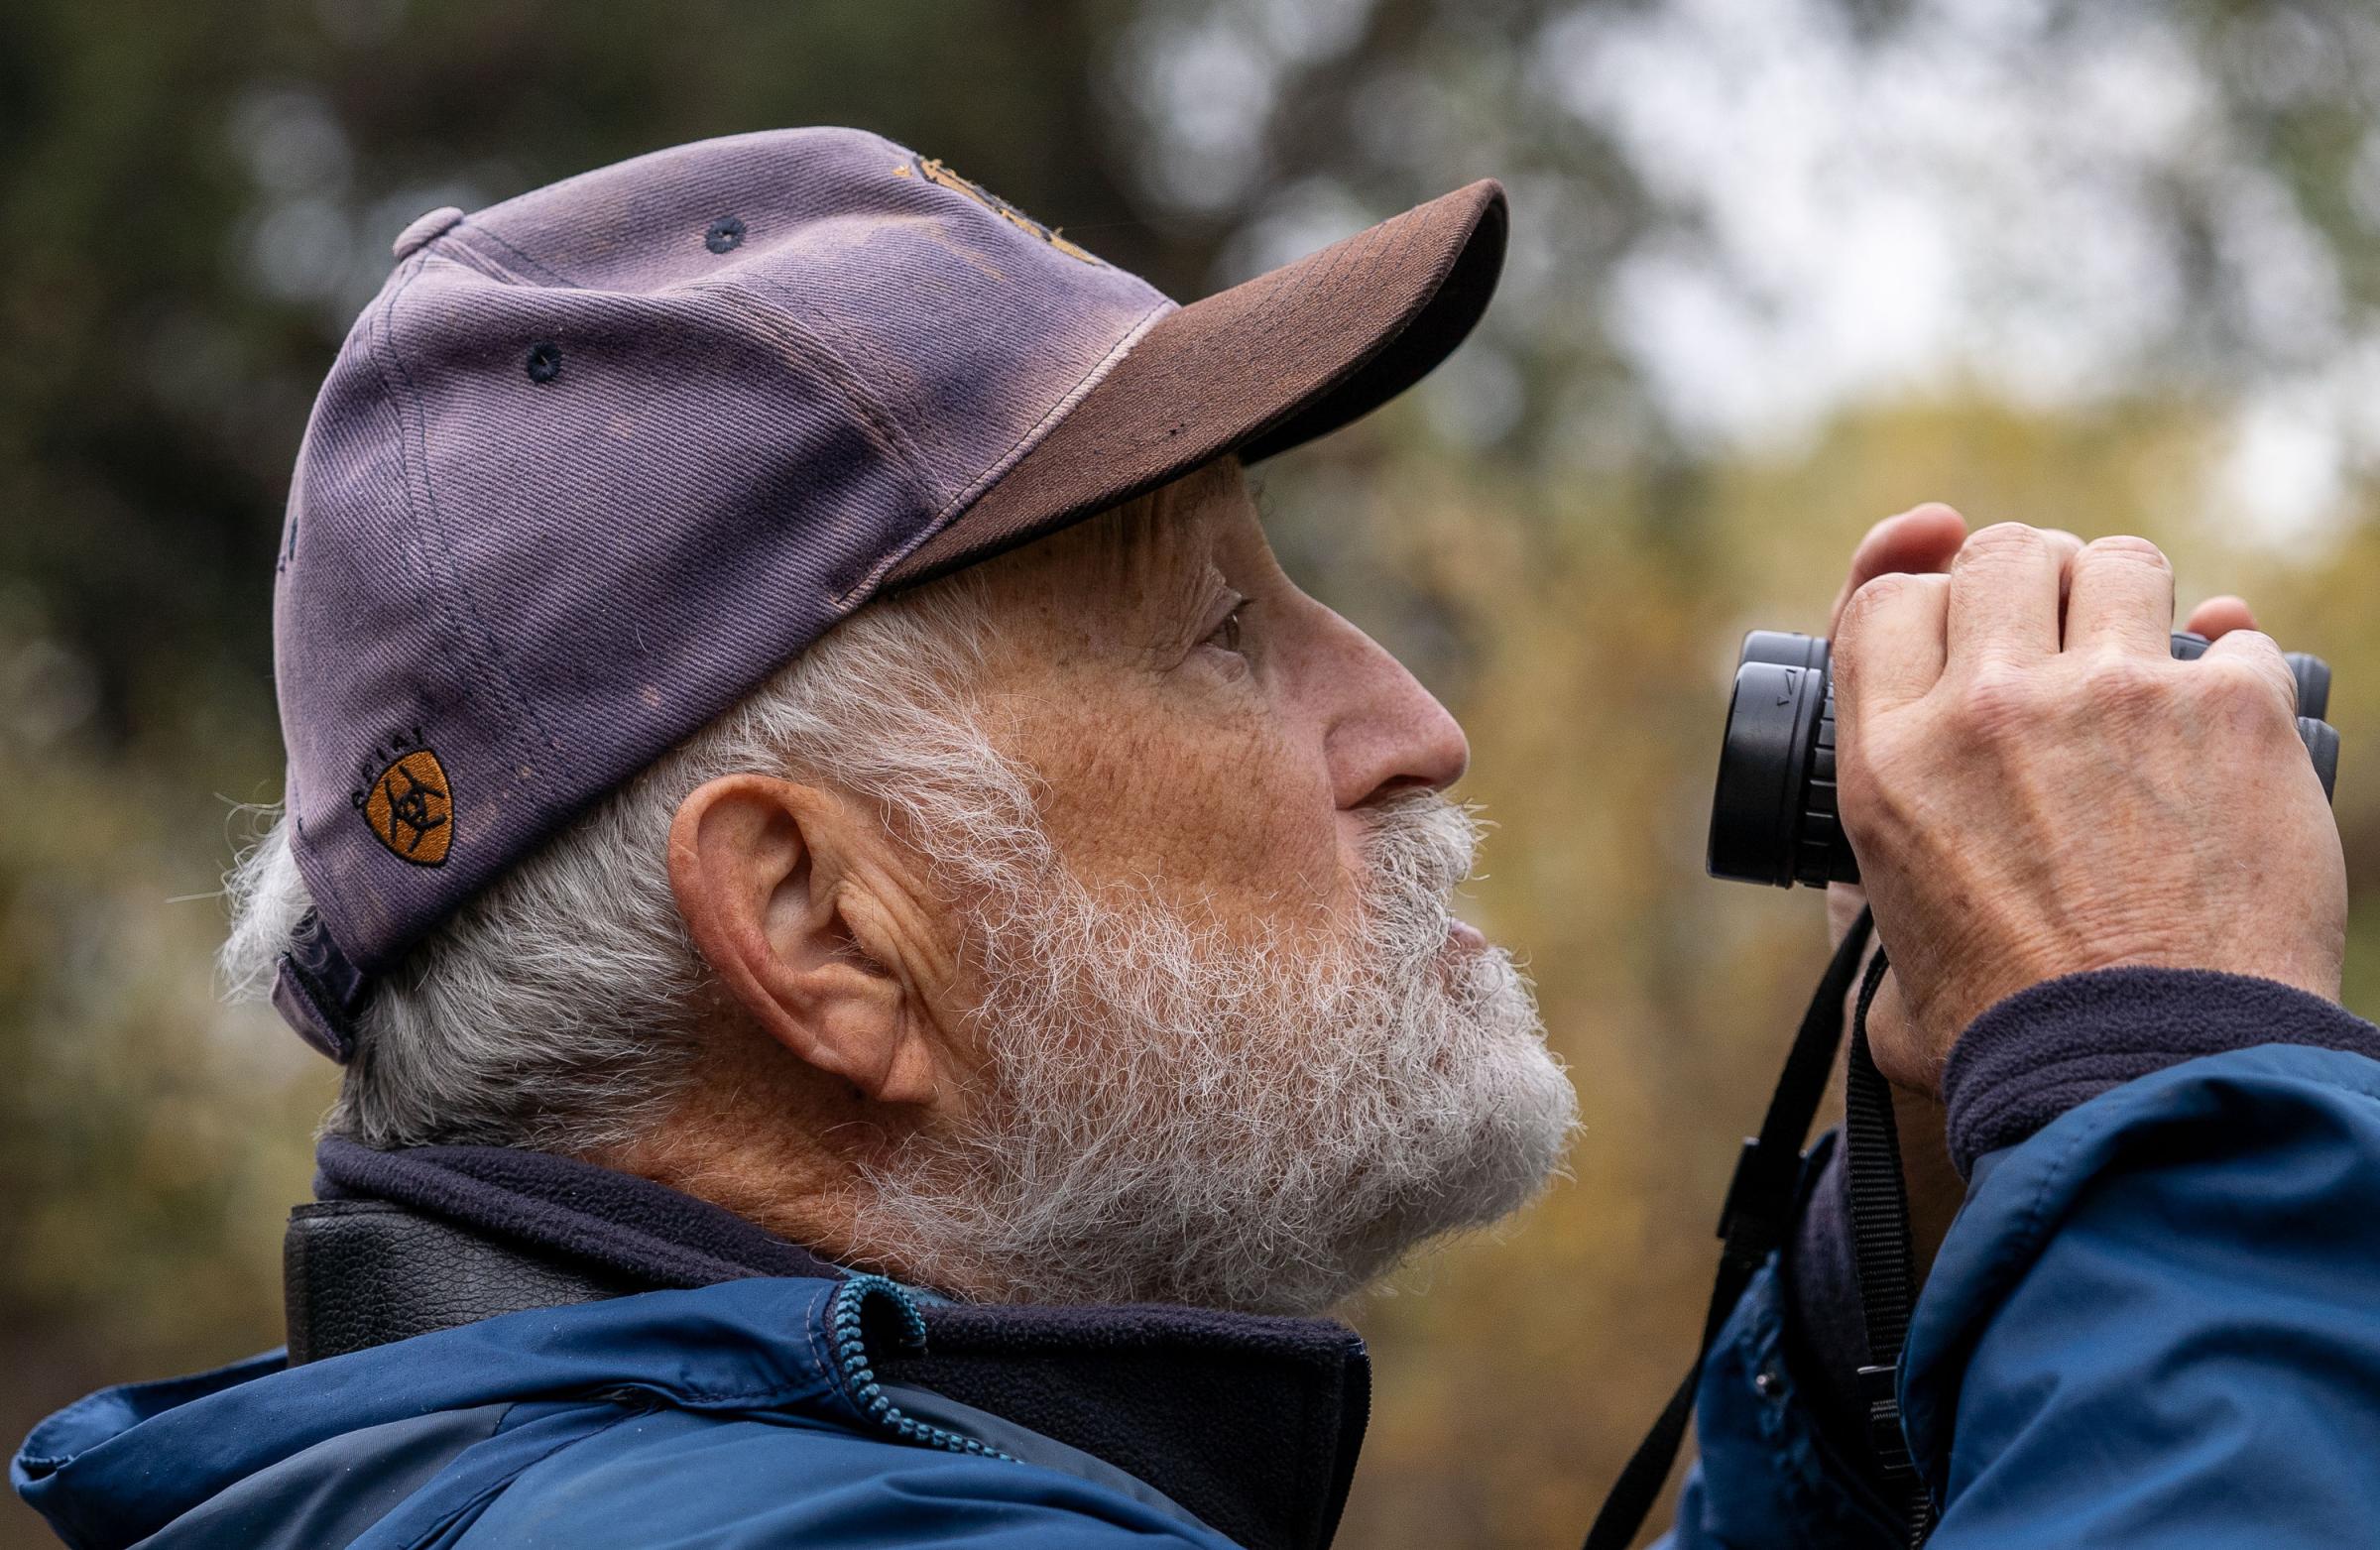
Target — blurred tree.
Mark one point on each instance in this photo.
(1776, 271)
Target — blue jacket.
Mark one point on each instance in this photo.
(740, 1414)
(2153, 1324)
(2156, 1321)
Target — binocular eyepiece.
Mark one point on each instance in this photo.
(1774, 817)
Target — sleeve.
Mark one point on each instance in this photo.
(2130, 1049)
(2152, 1324)
(2065, 1042)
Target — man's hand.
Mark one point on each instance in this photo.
(2031, 797)
(1921, 541)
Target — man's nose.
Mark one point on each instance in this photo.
(1384, 732)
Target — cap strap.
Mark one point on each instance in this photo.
(318, 990)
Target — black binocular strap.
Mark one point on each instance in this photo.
(1759, 1214)
(1881, 1253)
(1752, 1225)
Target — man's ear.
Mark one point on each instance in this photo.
(765, 876)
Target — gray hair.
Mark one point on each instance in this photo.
(562, 1008)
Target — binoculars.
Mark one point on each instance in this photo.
(1773, 816)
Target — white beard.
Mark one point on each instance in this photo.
(1174, 1118)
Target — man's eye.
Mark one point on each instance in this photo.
(1227, 634)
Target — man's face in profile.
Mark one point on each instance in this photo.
(1224, 1040)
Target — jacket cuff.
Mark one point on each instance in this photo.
(1825, 1327)
(2062, 1042)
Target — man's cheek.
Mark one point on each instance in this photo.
(1214, 804)
(1238, 821)
(1276, 831)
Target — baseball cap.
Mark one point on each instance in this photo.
(598, 460)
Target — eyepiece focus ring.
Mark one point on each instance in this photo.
(1821, 855)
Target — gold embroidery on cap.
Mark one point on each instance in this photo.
(411, 808)
(935, 171)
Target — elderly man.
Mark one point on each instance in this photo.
(888, 962)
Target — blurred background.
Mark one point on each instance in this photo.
(1780, 267)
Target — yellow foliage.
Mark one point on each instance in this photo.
(1585, 633)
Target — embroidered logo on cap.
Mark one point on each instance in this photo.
(411, 808)
(934, 171)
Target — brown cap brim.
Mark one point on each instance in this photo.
(1250, 371)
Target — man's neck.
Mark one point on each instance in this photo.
(759, 1136)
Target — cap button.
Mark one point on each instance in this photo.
(425, 230)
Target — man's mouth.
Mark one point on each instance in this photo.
(1463, 934)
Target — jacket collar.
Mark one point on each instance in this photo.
(1252, 1423)
(644, 1232)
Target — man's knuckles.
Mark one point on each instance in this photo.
(1878, 618)
(2123, 549)
(2002, 544)
(1996, 702)
(2258, 656)
(2246, 697)
(1999, 697)
(2111, 685)
(2246, 689)
(1883, 594)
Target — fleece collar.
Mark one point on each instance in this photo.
(1252, 1423)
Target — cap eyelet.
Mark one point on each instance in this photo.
(545, 361)
(726, 233)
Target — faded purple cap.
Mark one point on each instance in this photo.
(599, 459)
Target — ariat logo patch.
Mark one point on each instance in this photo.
(934, 171)
(410, 805)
